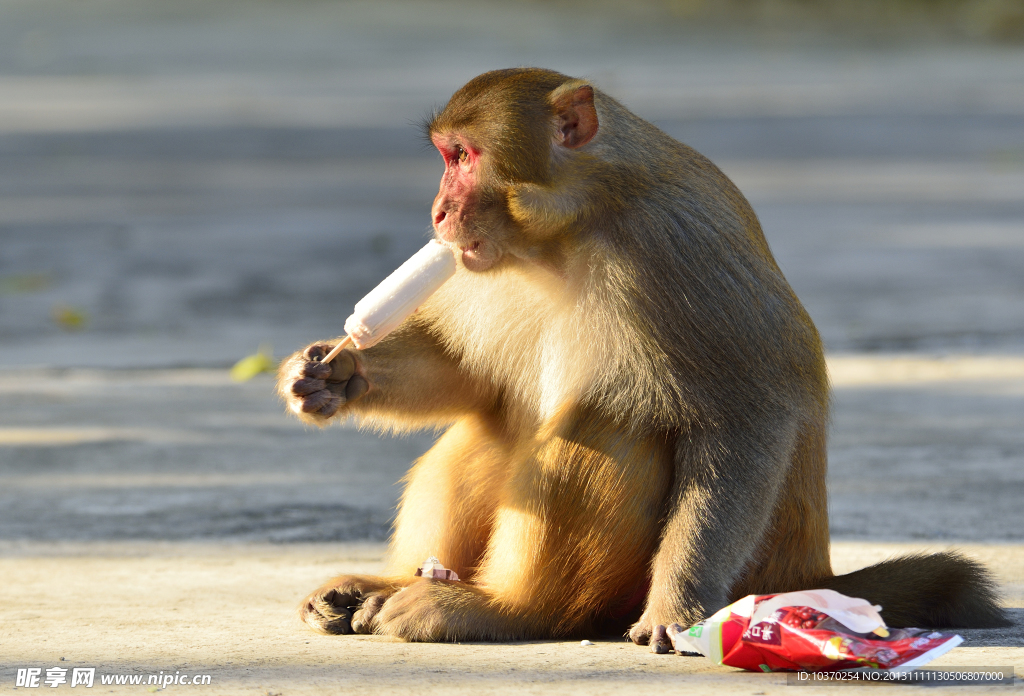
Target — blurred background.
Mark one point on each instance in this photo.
(184, 182)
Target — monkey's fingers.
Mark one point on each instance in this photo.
(314, 369)
(317, 351)
(318, 401)
(302, 387)
(331, 396)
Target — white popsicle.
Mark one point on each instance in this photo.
(397, 296)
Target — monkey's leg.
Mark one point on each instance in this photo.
(728, 478)
(571, 538)
(445, 511)
(794, 554)
(450, 496)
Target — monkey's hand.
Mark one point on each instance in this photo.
(316, 391)
(347, 604)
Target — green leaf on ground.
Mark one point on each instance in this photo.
(69, 318)
(252, 365)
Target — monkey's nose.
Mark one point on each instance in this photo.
(439, 217)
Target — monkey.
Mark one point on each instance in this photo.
(634, 401)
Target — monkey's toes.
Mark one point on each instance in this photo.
(362, 620)
(659, 641)
(640, 633)
(330, 612)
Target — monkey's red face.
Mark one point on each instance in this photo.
(463, 212)
(500, 196)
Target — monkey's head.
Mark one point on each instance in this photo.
(513, 148)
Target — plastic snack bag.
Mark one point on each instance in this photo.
(816, 630)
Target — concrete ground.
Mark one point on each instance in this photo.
(230, 611)
(183, 181)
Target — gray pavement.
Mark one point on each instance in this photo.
(188, 454)
(192, 180)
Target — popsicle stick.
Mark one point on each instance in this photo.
(337, 349)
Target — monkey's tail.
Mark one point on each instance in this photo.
(927, 590)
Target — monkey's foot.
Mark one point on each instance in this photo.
(657, 635)
(430, 610)
(347, 604)
(417, 613)
(644, 632)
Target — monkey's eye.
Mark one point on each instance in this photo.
(463, 155)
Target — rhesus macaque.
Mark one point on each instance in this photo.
(636, 401)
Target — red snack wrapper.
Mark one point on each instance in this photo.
(814, 630)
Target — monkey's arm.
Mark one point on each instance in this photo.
(728, 476)
(408, 380)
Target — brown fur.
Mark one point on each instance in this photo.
(636, 398)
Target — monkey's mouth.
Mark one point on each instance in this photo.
(476, 255)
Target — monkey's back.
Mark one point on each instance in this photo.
(701, 280)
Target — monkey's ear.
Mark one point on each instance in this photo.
(577, 117)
